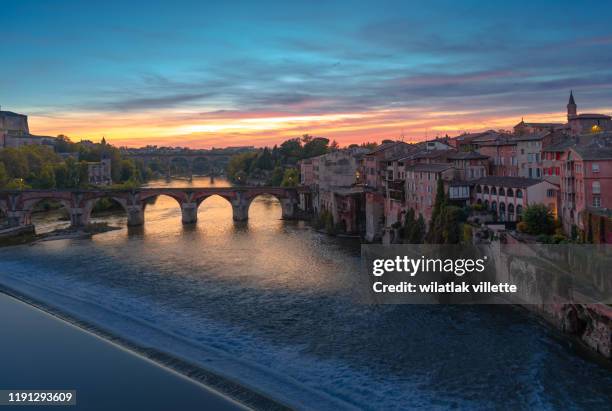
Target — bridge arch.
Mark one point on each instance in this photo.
(200, 165)
(151, 198)
(89, 207)
(179, 165)
(29, 206)
(278, 199)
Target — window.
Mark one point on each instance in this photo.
(502, 192)
(494, 191)
(510, 193)
(519, 194)
(596, 201)
(550, 192)
(595, 168)
(596, 187)
(479, 189)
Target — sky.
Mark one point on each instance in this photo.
(214, 74)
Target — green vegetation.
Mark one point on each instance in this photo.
(324, 220)
(538, 220)
(446, 226)
(413, 231)
(39, 166)
(276, 166)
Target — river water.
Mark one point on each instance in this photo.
(269, 303)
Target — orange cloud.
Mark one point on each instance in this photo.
(260, 128)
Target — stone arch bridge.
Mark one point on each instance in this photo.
(18, 206)
(216, 162)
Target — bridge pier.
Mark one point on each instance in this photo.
(135, 214)
(240, 211)
(17, 218)
(189, 213)
(288, 206)
(78, 218)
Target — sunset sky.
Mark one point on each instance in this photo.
(203, 74)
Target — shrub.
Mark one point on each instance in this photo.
(539, 219)
(522, 227)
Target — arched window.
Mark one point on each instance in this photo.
(479, 201)
(502, 211)
(510, 212)
(502, 192)
(494, 206)
(479, 188)
(519, 193)
(519, 212)
(486, 204)
(493, 191)
(486, 189)
(510, 192)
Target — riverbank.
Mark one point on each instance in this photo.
(185, 385)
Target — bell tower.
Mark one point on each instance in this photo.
(572, 109)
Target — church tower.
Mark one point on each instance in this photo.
(572, 109)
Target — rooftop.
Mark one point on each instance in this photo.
(467, 155)
(593, 115)
(513, 182)
(432, 168)
(10, 114)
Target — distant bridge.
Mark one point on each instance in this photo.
(215, 161)
(18, 205)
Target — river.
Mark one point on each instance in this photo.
(269, 303)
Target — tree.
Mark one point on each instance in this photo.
(3, 175)
(277, 176)
(291, 149)
(417, 236)
(291, 178)
(414, 229)
(315, 147)
(63, 144)
(46, 178)
(264, 160)
(539, 219)
(436, 225)
(452, 218)
(15, 162)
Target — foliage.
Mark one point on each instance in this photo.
(467, 234)
(268, 165)
(446, 220)
(291, 178)
(4, 177)
(324, 220)
(478, 207)
(39, 166)
(539, 220)
(414, 229)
